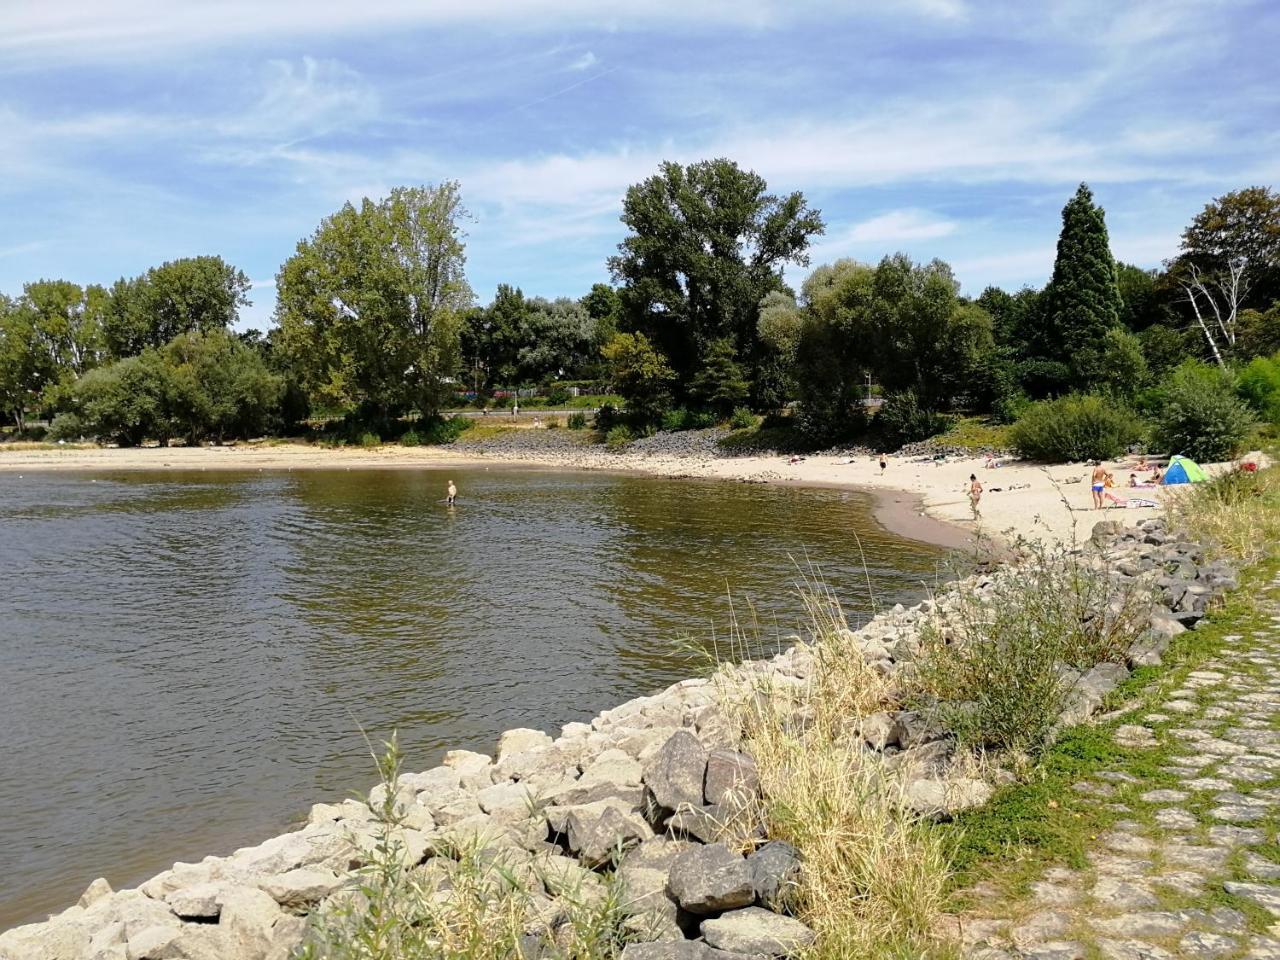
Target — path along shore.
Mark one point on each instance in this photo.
(917, 498)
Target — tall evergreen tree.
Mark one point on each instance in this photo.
(1082, 301)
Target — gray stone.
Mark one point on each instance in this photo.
(757, 931)
(1041, 925)
(1264, 895)
(686, 950)
(946, 797)
(1131, 735)
(711, 879)
(1152, 923)
(1121, 894)
(1207, 945)
(676, 773)
(1131, 950)
(598, 837)
(301, 887)
(730, 776)
(95, 892)
(775, 869)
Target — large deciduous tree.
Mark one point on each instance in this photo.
(708, 242)
(370, 306)
(1229, 263)
(194, 293)
(1082, 301)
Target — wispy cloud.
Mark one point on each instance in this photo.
(584, 62)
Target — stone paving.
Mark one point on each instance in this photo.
(1190, 868)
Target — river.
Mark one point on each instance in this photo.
(186, 659)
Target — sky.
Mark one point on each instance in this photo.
(138, 131)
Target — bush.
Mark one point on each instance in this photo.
(558, 396)
(437, 432)
(1259, 386)
(743, 419)
(991, 673)
(66, 426)
(411, 438)
(553, 423)
(370, 439)
(1074, 428)
(677, 419)
(607, 417)
(618, 437)
(902, 420)
(577, 421)
(1200, 417)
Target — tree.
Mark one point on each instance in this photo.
(1082, 300)
(126, 402)
(195, 293)
(25, 369)
(1122, 367)
(67, 323)
(221, 386)
(1238, 227)
(558, 338)
(720, 386)
(370, 307)
(604, 306)
(707, 243)
(641, 376)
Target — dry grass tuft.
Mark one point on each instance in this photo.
(1236, 515)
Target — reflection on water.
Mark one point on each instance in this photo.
(186, 659)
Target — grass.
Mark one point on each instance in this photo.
(761, 439)
(1236, 515)
(978, 434)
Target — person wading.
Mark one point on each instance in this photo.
(453, 494)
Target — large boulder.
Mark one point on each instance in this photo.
(676, 773)
(756, 931)
(710, 879)
(597, 837)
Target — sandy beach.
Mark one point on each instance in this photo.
(918, 498)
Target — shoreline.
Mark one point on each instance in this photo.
(923, 503)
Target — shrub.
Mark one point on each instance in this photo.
(902, 420)
(677, 419)
(1200, 417)
(1259, 386)
(437, 432)
(553, 423)
(991, 671)
(558, 396)
(577, 421)
(502, 402)
(618, 437)
(66, 426)
(370, 439)
(607, 417)
(743, 419)
(1073, 428)
(411, 438)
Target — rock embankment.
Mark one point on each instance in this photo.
(657, 794)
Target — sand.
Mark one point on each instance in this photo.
(921, 499)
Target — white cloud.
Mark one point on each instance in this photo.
(880, 235)
(584, 62)
(88, 30)
(304, 98)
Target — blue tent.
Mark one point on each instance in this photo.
(1182, 470)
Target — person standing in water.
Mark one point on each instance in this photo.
(975, 493)
(883, 463)
(453, 494)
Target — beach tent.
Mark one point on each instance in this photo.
(1182, 470)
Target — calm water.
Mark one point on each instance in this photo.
(184, 658)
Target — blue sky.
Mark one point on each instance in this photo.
(137, 131)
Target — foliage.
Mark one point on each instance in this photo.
(720, 384)
(128, 401)
(1258, 384)
(67, 426)
(707, 243)
(1073, 428)
(977, 434)
(743, 419)
(1200, 416)
(607, 415)
(437, 431)
(1236, 514)
(370, 306)
(195, 294)
(1241, 225)
(411, 438)
(641, 375)
(1259, 332)
(1082, 300)
(559, 336)
(1122, 368)
(902, 420)
(619, 437)
(766, 438)
(221, 387)
(991, 671)
(682, 418)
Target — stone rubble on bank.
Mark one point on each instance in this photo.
(659, 777)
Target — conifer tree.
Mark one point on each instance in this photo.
(1082, 301)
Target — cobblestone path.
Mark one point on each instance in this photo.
(1191, 868)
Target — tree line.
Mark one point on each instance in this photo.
(375, 320)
